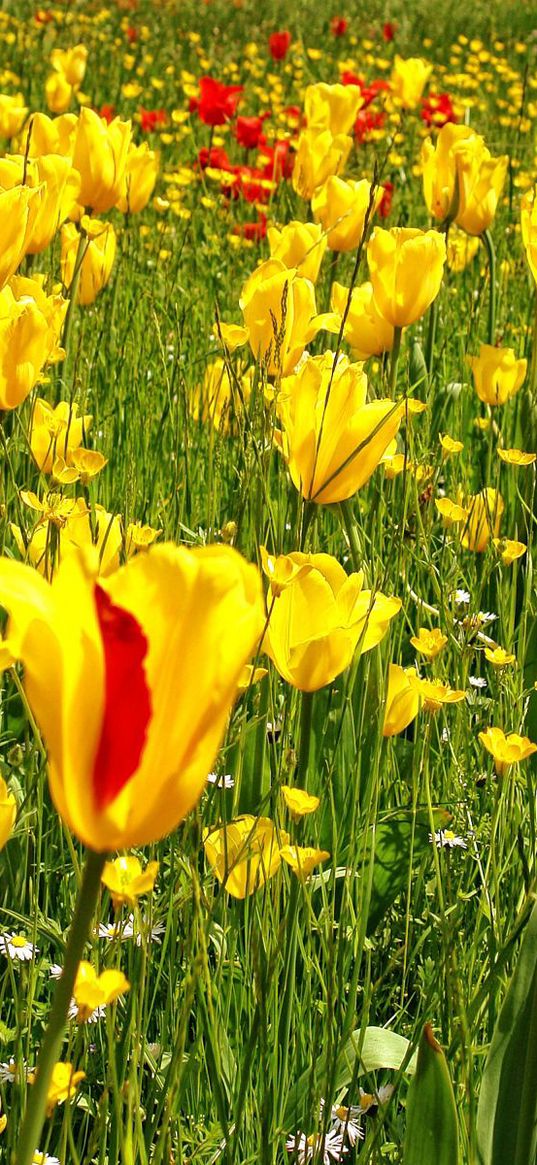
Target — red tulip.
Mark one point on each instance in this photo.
(338, 25)
(217, 103)
(279, 45)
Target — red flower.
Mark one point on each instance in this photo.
(108, 112)
(249, 131)
(338, 26)
(42, 16)
(252, 184)
(279, 45)
(386, 201)
(217, 103)
(150, 119)
(352, 79)
(369, 92)
(367, 121)
(437, 109)
(132, 34)
(255, 231)
(279, 160)
(388, 30)
(215, 157)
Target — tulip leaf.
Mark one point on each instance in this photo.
(431, 1132)
(507, 1110)
(377, 1048)
(397, 843)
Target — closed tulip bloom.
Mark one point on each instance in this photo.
(497, 373)
(406, 268)
(320, 619)
(99, 255)
(30, 325)
(244, 853)
(439, 168)
(58, 93)
(366, 330)
(139, 179)
(319, 155)
(125, 682)
(100, 156)
(50, 135)
(408, 80)
(8, 812)
(59, 184)
(299, 245)
(481, 180)
(13, 113)
(56, 432)
(18, 211)
(332, 438)
(340, 207)
(279, 310)
(332, 107)
(528, 226)
(483, 518)
(403, 701)
(70, 62)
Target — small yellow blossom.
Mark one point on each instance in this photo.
(435, 694)
(429, 642)
(509, 549)
(499, 657)
(303, 859)
(298, 802)
(126, 880)
(517, 457)
(506, 750)
(63, 1085)
(450, 445)
(92, 990)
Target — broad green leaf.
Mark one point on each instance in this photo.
(507, 1110)
(380, 1048)
(431, 1132)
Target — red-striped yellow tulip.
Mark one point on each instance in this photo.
(131, 680)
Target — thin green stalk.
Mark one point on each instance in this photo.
(347, 518)
(488, 244)
(431, 335)
(397, 333)
(34, 1118)
(83, 244)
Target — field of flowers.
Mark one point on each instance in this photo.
(268, 450)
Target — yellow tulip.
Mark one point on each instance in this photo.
(139, 179)
(70, 62)
(279, 310)
(320, 619)
(408, 80)
(8, 812)
(98, 260)
(59, 184)
(220, 397)
(481, 180)
(319, 155)
(303, 859)
(332, 438)
(100, 155)
(406, 268)
(461, 249)
(50, 135)
(91, 990)
(506, 750)
(13, 113)
(126, 880)
(366, 330)
(440, 170)
(244, 853)
(528, 225)
(18, 212)
(332, 107)
(58, 93)
(123, 680)
(403, 701)
(30, 326)
(497, 373)
(300, 245)
(340, 207)
(484, 515)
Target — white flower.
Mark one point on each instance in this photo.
(55, 971)
(153, 934)
(486, 616)
(373, 1099)
(45, 1159)
(9, 1071)
(221, 782)
(344, 1122)
(461, 597)
(477, 682)
(14, 946)
(117, 930)
(73, 1013)
(446, 839)
(304, 1148)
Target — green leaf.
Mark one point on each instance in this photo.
(380, 1048)
(397, 842)
(431, 1132)
(507, 1110)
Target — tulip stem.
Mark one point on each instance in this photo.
(431, 335)
(397, 333)
(491, 256)
(30, 1133)
(304, 747)
(83, 243)
(347, 517)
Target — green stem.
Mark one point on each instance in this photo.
(533, 362)
(347, 517)
(488, 244)
(304, 747)
(34, 1118)
(431, 335)
(83, 244)
(397, 333)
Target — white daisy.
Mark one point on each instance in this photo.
(73, 1013)
(305, 1148)
(222, 782)
(154, 934)
(373, 1099)
(344, 1122)
(477, 682)
(55, 971)
(462, 597)
(14, 946)
(116, 930)
(446, 839)
(9, 1071)
(45, 1159)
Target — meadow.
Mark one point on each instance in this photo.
(268, 716)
